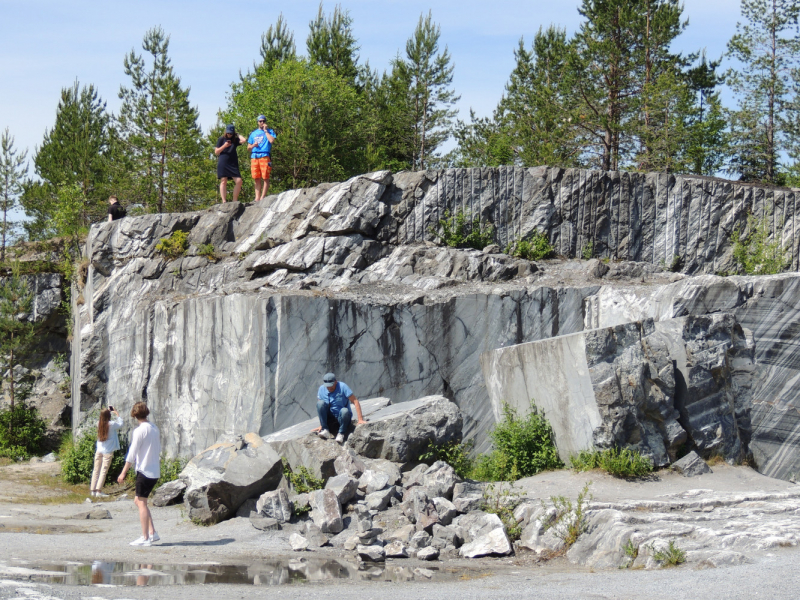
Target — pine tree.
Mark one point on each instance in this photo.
(537, 109)
(706, 143)
(428, 75)
(164, 158)
(13, 169)
(277, 44)
(331, 43)
(768, 49)
(16, 328)
(76, 150)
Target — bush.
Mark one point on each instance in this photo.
(302, 481)
(756, 255)
(587, 252)
(570, 521)
(671, 556)
(619, 463)
(208, 251)
(462, 232)
(522, 447)
(174, 246)
(170, 469)
(77, 459)
(536, 248)
(21, 431)
(455, 454)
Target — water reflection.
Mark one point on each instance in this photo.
(269, 572)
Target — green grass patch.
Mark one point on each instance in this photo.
(619, 463)
(536, 247)
(671, 556)
(302, 480)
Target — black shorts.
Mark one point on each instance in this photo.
(144, 485)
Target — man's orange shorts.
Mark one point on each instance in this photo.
(261, 168)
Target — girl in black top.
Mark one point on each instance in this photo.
(228, 164)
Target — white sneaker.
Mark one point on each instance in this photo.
(325, 434)
(154, 537)
(101, 495)
(140, 541)
(92, 494)
(340, 439)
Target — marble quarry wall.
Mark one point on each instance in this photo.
(348, 278)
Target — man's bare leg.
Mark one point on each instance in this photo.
(145, 518)
(266, 188)
(223, 188)
(237, 188)
(257, 183)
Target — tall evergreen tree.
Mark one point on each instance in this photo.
(277, 44)
(165, 158)
(706, 144)
(767, 48)
(428, 74)
(331, 43)
(77, 151)
(16, 327)
(13, 169)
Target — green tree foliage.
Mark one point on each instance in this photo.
(331, 43)
(767, 48)
(21, 431)
(164, 163)
(707, 140)
(426, 107)
(318, 118)
(76, 151)
(17, 330)
(69, 214)
(277, 44)
(13, 169)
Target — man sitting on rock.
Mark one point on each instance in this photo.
(333, 400)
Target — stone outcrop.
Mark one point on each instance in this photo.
(348, 277)
(649, 386)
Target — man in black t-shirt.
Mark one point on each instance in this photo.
(228, 163)
(115, 209)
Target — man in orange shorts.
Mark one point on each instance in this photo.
(260, 145)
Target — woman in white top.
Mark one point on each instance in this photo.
(107, 444)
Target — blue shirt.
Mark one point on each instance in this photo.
(336, 400)
(264, 146)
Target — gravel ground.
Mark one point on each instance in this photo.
(41, 533)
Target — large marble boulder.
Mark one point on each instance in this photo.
(635, 385)
(402, 432)
(223, 476)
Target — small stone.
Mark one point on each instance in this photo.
(315, 537)
(170, 493)
(414, 476)
(494, 543)
(96, 514)
(343, 486)
(419, 540)
(298, 542)
(371, 553)
(691, 465)
(373, 481)
(380, 500)
(275, 504)
(50, 458)
(445, 509)
(351, 543)
(451, 535)
(402, 534)
(350, 464)
(326, 511)
(440, 478)
(264, 523)
(429, 553)
(35, 459)
(395, 550)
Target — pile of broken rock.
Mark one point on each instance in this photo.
(378, 499)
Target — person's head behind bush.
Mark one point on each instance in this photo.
(102, 425)
(140, 411)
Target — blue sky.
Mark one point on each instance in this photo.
(46, 45)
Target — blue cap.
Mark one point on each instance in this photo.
(230, 129)
(261, 118)
(329, 379)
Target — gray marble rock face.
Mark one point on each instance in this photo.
(348, 277)
(649, 386)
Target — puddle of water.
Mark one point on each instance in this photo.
(270, 572)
